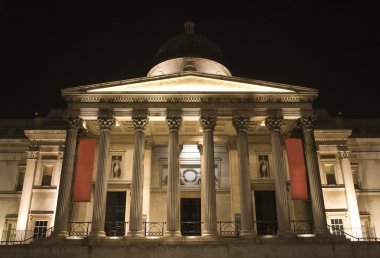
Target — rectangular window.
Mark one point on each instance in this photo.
(20, 180)
(47, 173)
(330, 174)
(40, 228)
(337, 227)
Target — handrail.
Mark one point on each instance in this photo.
(351, 236)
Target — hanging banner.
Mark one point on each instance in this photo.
(297, 169)
(84, 168)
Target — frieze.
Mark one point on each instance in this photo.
(208, 122)
(174, 122)
(196, 99)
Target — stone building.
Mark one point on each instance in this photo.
(189, 150)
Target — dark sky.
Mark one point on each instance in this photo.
(333, 47)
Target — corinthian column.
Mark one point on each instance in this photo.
(173, 194)
(135, 220)
(282, 206)
(26, 194)
(241, 124)
(352, 203)
(65, 188)
(316, 195)
(106, 122)
(208, 124)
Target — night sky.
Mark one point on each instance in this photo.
(333, 47)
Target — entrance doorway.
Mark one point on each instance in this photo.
(115, 214)
(191, 216)
(266, 215)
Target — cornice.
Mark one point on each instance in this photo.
(189, 97)
(46, 135)
(331, 135)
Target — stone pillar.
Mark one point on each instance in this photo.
(173, 194)
(316, 195)
(66, 181)
(135, 219)
(106, 122)
(210, 224)
(147, 177)
(352, 203)
(279, 169)
(26, 194)
(240, 124)
(234, 177)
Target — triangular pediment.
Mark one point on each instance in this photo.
(189, 83)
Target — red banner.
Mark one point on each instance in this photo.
(84, 168)
(297, 169)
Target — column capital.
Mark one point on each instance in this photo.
(106, 121)
(200, 148)
(31, 154)
(231, 145)
(240, 122)
(344, 154)
(74, 121)
(307, 122)
(140, 122)
(274, 122)
(208, 122)
(174, 122)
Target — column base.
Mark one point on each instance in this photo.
(97, 234)
(135, 234)
(285, 234)
(170, 234)
(61, 234)
(247, 233)
(210, 233)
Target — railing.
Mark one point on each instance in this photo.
(302, 226)
(79, 229)
(115, 228)
(18, 237)
(266, 227)
(154, 229)
(229, 228)
(355, 234)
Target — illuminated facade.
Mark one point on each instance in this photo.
(189, 150)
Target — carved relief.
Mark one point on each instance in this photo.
(208, 122)
(174, 122)
(74, 121)
(307, 122)
(344, 154)
(240, 122)
(32, 154)
(274, 123)
(106, 121)
(140, 122)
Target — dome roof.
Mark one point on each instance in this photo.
(189, 44)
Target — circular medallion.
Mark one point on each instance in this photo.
(190, 175)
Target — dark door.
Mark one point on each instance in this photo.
(115, 214)
(266, 216)
(191, 216)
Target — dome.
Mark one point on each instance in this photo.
(189, 44)
(189, 52)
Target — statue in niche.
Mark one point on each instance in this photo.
(263, 166)
(116, 166)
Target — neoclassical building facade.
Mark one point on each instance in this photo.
(189, 150)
